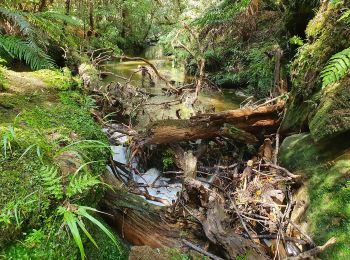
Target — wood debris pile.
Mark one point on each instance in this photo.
(246, 206)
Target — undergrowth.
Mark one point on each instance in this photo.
(51, 160)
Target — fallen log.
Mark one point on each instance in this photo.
(236, 124)
(137, 221)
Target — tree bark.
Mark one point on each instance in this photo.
(42, 5)
(241, 124)
(138, 222)
(91, 18)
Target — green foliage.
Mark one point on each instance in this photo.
(34, 238)
(72, 216)
(222, 13)
(26, 51)
(51, 181)
(296, 40)
(168, 159)
(336, 68)
(81, 183)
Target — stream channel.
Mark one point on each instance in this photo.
(157, 185)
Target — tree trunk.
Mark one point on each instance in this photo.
(138, 222)
(243, 121)
(42, 5)
(91, 19)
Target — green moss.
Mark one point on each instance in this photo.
(59, 79)
(333, 114)
(168, 159)
(3, 81)
(327, 166)
(326, 36)
(38, 128)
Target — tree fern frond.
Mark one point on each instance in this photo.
(336, 68)
(59, 17)
(29, 52)
(18, 19)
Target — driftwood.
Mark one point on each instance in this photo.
(206, 126)
(315, 251)
(197, 196)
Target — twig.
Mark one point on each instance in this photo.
(292, 239)
(302, 232)
(314, 251)
(288, 173)
(150, 197)
(200, 250)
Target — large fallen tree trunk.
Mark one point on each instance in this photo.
(136, 220)
(236, 124)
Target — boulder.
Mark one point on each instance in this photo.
(333, 114)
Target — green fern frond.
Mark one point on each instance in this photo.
(59, 17)
(18, 19)
(51, 182)
(29, 52)
(336, 68)
(80, 184)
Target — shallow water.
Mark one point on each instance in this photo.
(218, 100)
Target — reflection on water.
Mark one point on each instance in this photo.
(130, 71)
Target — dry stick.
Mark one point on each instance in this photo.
(288, 173)
(292, 239)
(315, 251)
(281, 222)
(302, 232)
(200, 250)
(152, 67)
(150, 197)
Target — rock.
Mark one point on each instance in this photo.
(89, 75)
(333, 114)
(322, 202)
(302, 202)
(326, 37)
(68, 163)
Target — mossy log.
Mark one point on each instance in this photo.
(236, 124)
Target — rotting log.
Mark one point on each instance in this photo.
(136, 220)
(236, 124)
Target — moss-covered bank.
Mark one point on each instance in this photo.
(52, 155)
(326, 167)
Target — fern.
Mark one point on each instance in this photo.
(34, 56)
(79, 185)
(58, 17)
(336, 68)
(18, 19)
(52, 182)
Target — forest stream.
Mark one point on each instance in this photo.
(182, 130)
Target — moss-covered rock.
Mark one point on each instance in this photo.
(326, 165)
(333, 114)
(327, 35)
